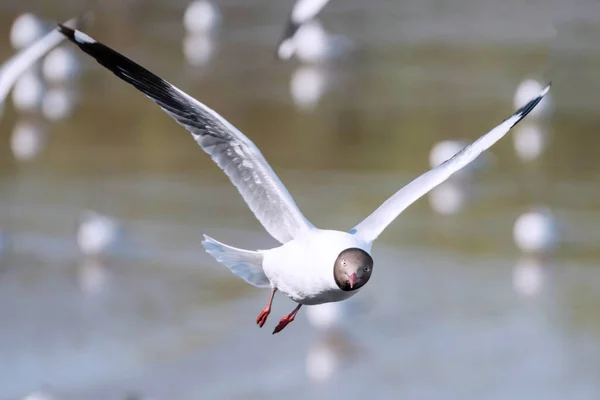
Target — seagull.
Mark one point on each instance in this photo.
(537, 231)
(201, 17)
(15, 67)
(97, 234)
(60, 65)
(26, 29)
(311, 266)
(313, 44)
(303, 12)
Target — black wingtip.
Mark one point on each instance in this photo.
(68, 32)
(527, 108)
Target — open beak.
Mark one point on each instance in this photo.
(352, 279)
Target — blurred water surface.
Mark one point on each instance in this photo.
(440, 319)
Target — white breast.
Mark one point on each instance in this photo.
(303, 267)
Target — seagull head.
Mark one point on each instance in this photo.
(352, 269)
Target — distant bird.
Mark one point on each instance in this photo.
(16, 66)
(303, 12)
(529, 275)
(58, 103)
(26, 29)
(536, 232)
(449, 197)
(60, 65)
(28, 92)
(201, 17)
(307, 85)
(93, 275)
(527, 89)
(312, 266)
(198, 49)
(313, 44)
(27, 140)
(530, 140)
(97, 234)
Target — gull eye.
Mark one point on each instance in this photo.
(366, 269)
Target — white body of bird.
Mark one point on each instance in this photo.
(303, 268)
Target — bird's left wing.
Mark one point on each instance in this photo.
(370, 228)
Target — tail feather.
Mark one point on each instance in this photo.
(243, 263)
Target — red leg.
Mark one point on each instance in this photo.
(286, 320)
(262, 317)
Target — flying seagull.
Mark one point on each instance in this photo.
(312, 266)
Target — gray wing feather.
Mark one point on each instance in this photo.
(233, 152)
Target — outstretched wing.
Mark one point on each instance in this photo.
(233, 152)
(374, 224)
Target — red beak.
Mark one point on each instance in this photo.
(352, 279)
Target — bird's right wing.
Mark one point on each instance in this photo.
(12, 69)
(372, 226)
(233, 152)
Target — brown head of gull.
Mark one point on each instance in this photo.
(352, 269)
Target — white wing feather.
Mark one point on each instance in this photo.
(370, 228)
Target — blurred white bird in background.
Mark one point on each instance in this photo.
(97, 234)
(307, 84)
(200, 20)
(198, 49)
(313, 44)
(27, 140)
(528, 88)
(17, 72)
(201, 17)
(58, 103)
(60, 65)
(28, 92)
(530, 140)
(93, 276)
(303, 12)
(529, 276)
(450, 197)
(26, 29)
(536, 232)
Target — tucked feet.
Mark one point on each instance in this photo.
(262, 317)
(286, 320)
